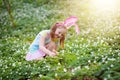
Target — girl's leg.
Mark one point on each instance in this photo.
(51, 46)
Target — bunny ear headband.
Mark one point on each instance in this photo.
(71, 21)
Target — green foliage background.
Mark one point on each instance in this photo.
(92, 55)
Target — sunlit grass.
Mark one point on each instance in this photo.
(104, 5)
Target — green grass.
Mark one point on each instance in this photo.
(94, 54)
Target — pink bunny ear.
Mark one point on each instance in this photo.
(77, 28)
(71, 21)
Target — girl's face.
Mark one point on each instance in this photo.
(59, 32)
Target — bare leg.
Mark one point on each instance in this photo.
(51, 46)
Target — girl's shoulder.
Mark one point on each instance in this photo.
(44, 32)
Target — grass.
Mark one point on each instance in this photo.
(92, 55)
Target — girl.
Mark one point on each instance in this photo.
(38, 48)
(47, 41)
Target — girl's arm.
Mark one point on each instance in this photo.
(42, 47)
(55, 52)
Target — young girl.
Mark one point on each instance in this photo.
(50, 38)
(38, 48)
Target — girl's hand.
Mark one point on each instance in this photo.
(55, 52)
(52, 54)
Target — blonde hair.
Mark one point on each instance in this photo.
(52, 33)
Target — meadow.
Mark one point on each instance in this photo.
(94, 54)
